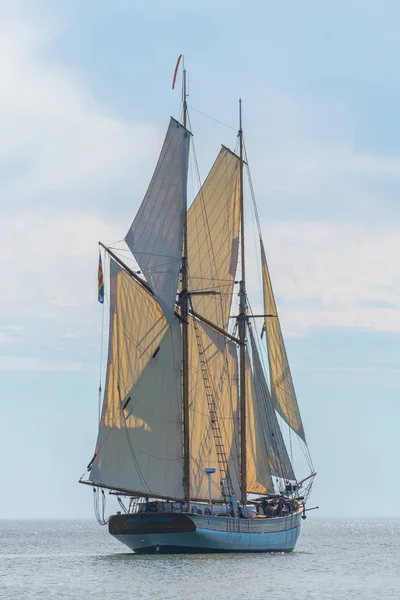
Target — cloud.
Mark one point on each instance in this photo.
(49, 265)
(335, 274)
(306, 164)
(57, 143)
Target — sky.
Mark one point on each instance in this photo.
(84, 104)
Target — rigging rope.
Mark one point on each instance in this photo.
(100, 506)
(101, 356)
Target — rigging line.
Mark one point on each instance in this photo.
(252, 194)
(101, 354)
(306, 453)
(256, 243)
(119, 249)
(169, 258)
(211, 118)
(291, 447)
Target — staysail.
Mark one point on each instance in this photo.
(271, 435)
(156, 234)
(213, 234)
(282, 388)
(259, 480)
(139, 446)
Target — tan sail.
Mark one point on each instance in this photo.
(221, 358)
(213, 234)
(139, 446)
(282, 388)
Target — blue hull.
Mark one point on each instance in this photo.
(194, 534)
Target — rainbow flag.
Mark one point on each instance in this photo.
(100, 282)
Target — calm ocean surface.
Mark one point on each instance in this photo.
(80, 560)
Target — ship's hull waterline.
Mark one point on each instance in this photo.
(179, 533)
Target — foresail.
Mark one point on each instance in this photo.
(271, 435)
(156, 234)
(213, 234)
(221, 374)
(139, 447)
(282, 388)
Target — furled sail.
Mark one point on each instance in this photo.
(156, 234)
(282, 388)
(139, 446)
(271, 435)
(213, 234)
(259, 480)
(220, 372)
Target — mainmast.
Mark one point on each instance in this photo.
(184, 303)
(242, 327)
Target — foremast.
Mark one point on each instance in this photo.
(184, 306)
(242, 318)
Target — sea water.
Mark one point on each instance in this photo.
(333, 560)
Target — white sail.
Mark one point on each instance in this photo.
(139, 447)
(156, 234)
(221, 374)
(282, 388)
(270, 433)
(213, 234)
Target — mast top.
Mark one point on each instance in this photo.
(184, 88)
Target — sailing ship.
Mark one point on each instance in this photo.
(192, 438)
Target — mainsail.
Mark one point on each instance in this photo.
(282, 388)
(139, 446)
(215, 362)
(156, 234)
(213, 234)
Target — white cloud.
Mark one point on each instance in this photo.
(335, 274)
(54, 137)
(49, 264)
